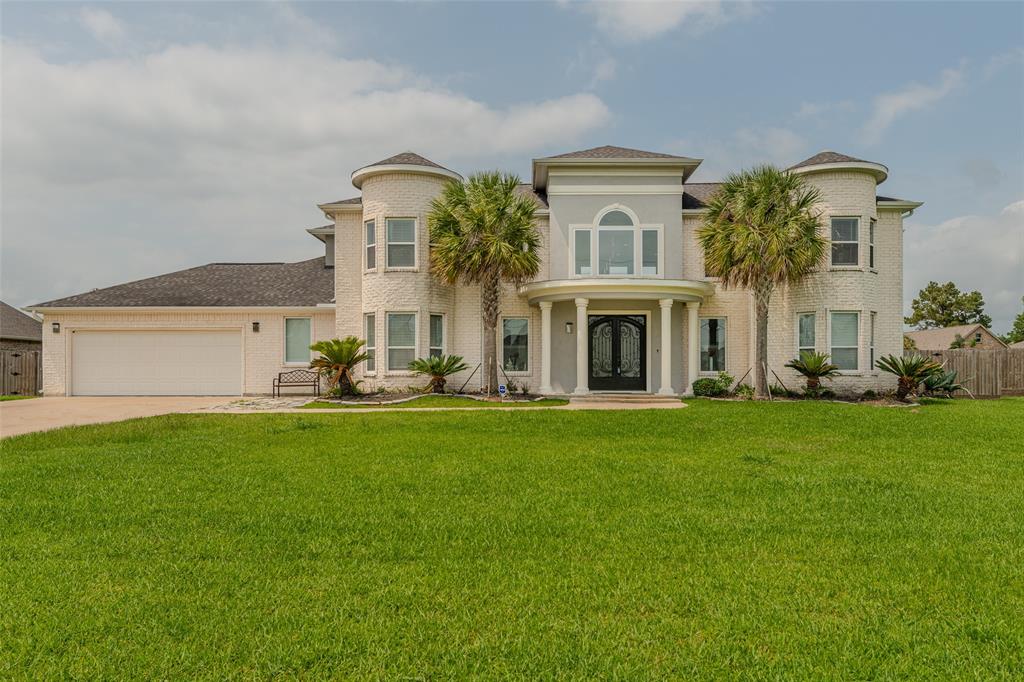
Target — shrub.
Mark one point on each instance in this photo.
(713, 387)
(745, 391)
(438, 368)
(868, 395)
(943, 383)
(910, 371)
(815, 367)
(338, 358)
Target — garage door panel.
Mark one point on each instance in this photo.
(156, 363)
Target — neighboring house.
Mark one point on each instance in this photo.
(19, 331)
(974, 336)
(621, 302)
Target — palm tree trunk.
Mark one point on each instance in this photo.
(490, 308)
(761, 297)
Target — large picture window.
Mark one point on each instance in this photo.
(298, 335)
(401, 242)
(616, 246)
(370, 229)
(370, 334)
(845, 241)
(712, 344)
(615, 252)
(515, 344)
(805, 333)
(401, 340)
(845, 329)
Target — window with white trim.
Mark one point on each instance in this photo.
(401, 236)
(712, 344)
(805, 323)
(844, 332)
(298, 335)
(401, 335)
(515, 344)
(370, 334)
(871, 243)
(581, 252)
(370, 231)
(872, 346)
(845, 241)
(436, 335)
(615, 252)
(649, 252)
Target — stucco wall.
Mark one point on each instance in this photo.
(263, 351)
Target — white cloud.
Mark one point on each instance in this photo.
(104, 26)
(125, 167)
(818, 109)
(978, 252)
(1013, 57)
(744, 148)
(635, 20)
(914, 97)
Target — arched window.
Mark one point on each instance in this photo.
(621, 247)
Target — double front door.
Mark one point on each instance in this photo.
(617, 357)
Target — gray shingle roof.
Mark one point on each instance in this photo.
(15, 324)
(828, 156)
(611, 152)
(353, 200)
(696, 194)
(407, 159)
(305, 283)
(540, 198)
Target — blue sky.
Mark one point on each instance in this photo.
(140, 138)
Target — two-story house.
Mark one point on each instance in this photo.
(622, 302)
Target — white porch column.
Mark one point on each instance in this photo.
(545, 348)
(666, 347)
(692, 345)
(582, 336)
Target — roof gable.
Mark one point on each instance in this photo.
(612, 152)
(15, 324)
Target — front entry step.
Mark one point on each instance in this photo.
(606, 397)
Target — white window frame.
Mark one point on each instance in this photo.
(529, 344)
(284, 342)
(799, 348)
(368, 348)
(832, 359)
(725, 342)
(367, 246)
(872, 225)
(842, 266)
(596, 228)
(444, 334)
(387, 341)
(414, 243)
(871, 342)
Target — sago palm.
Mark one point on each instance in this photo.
(438, 368)
(338, 358)
(483, 232)
(815, 367)
(910, 371)
(761, 230)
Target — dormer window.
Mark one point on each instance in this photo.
(623, 247)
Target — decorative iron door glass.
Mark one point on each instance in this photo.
(617, 356)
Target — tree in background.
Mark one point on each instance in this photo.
(1017, 333)
(944, 305)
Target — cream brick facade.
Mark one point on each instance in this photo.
(400, 188)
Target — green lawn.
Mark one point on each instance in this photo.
(438, 401)
(725, 540)
(4, 398)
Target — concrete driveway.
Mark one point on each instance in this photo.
(41, 414)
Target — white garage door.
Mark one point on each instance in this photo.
(156, 363)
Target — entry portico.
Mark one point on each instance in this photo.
(612, 329)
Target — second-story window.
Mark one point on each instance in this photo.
(871, 243)
(845, 241)
(370, 228)
(620, 246)
(401, 235)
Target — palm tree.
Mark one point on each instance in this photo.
(815, 367)
(762, 230)
(482, 232)
(438, 368)
(338, 357)
(910, 371)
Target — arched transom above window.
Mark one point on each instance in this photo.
(617, 244)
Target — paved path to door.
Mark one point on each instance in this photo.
(41, 414)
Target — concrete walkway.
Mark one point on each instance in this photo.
(41, 414)
(288, 406)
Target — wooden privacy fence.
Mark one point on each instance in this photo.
(21, 372)
(985, 373)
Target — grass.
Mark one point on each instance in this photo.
(727, 540)
(4, 398)
(438, 401)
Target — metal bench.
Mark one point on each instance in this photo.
(297, 377)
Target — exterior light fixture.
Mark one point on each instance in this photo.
(568, 327)
(255, 327)
(56, 327)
